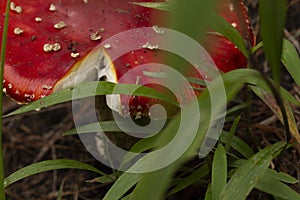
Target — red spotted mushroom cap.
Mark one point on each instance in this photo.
(224, 53)
(48, 39)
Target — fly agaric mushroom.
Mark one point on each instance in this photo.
(48, 41)
(224, 53)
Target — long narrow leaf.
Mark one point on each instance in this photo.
(109, 126)
(219, 172)
(122, 185)
(246, 177)
(231, 133)
(276, 188)
(47, 165)
(208, 194)
(291, 61)
(238, 145)
(196, 175)
(272, 21)
(224, 28)
(89, 89)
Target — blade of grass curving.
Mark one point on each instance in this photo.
(143, 145)
(109, 178)
(89, 89)
(231, 133)
(237, 144)
(2, 60)
(237, 109)
(127, 197)
(224, 28)
(272, 186)
(271, 182)
(219, 172)
(186, 15)
(281, 176)
(159, 187)
(291, 61)
(122, 185)
(196, 175)
(254, 77)
(272, 21)
(47, 165)
(208, 193)
(246, 176)
(256, 47)
(106, 126)
(60, 192)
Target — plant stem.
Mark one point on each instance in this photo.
(3, 51)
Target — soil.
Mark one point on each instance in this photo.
(37, 136)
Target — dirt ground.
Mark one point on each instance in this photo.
(37, 136)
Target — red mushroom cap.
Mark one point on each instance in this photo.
(224, 53)
(49, 40)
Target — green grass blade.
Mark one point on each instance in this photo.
(289, 58)
(246, 176)
(291, 61)
(221, 26)
(150, 187)
(60, 192)
(255, 78)
(186, 15)
(208, 193)
(89, 89)
(276, 188)
(231, 133)
(238, 145)
(109, 178)
(47, 165)
(281, 176)
(272, 20)
(196, 175)
(122, 185)
(256, 47)
(141, 146)
(106, 126)
(219, 172)
(127, 197)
